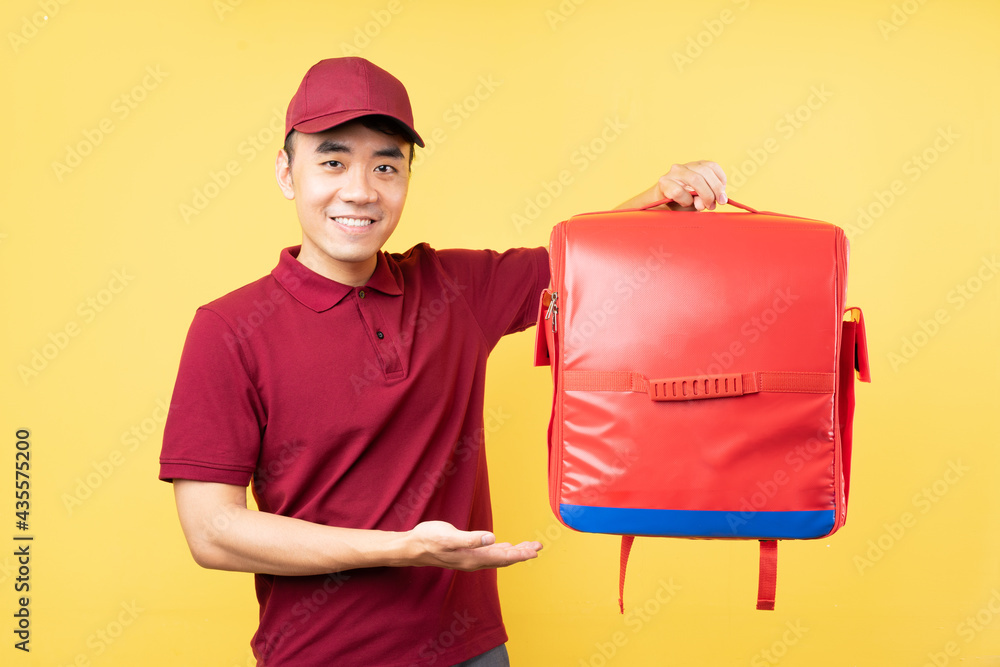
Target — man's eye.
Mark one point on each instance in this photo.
(333, 163)
(384, 169)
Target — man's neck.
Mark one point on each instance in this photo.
(345, 273)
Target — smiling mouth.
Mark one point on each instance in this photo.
(354, 222)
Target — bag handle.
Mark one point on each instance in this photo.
(667, 200)
(701, 386)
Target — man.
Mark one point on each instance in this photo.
(347, 386)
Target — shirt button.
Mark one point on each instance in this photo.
(380, 335)
(361, 294)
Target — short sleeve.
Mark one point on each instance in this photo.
(501, 288)
(214, 425)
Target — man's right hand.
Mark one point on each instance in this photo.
(439, 544)
(224, 534)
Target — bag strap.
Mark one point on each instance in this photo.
(661, 202)
(767, 579)
(626, 549)
(664, 201)
(853, 362)
(700, 386)
(861, 363)
(668, 200)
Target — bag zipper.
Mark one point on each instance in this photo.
(553, 310)
(843, 254)
(557, 260)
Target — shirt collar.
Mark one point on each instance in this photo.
(319, 292)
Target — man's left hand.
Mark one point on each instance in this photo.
(693, 186)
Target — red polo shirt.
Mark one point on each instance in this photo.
(359, 407)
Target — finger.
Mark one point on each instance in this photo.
(698, 180)
(671, 186)
(537, 546)
(714, 177)
(721, 174)
(494, 556)
(522, 553)
(688, 186)
(508, 551)
(483, 539)
(474, 539)
(511, 555)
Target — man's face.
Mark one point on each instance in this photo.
(349, 185)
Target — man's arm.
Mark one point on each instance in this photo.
(693, 186)
(224, 534)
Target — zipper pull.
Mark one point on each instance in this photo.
(553, 310)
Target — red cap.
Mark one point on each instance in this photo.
(337, 90)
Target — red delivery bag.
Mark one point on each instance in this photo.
(704, 367)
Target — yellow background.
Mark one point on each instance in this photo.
(813, 109)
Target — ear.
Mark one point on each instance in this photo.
(283, 172)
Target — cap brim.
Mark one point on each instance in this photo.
(330, 121)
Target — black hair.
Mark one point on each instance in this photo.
(383, 124)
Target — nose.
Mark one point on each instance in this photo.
(357, 187)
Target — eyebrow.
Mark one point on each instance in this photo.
(330, 146)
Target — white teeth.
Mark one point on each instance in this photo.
(354, 222)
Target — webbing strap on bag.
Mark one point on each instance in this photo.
(767, 581)
(626, 548)
(700, 386)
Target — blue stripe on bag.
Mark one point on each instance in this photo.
(698, 523)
